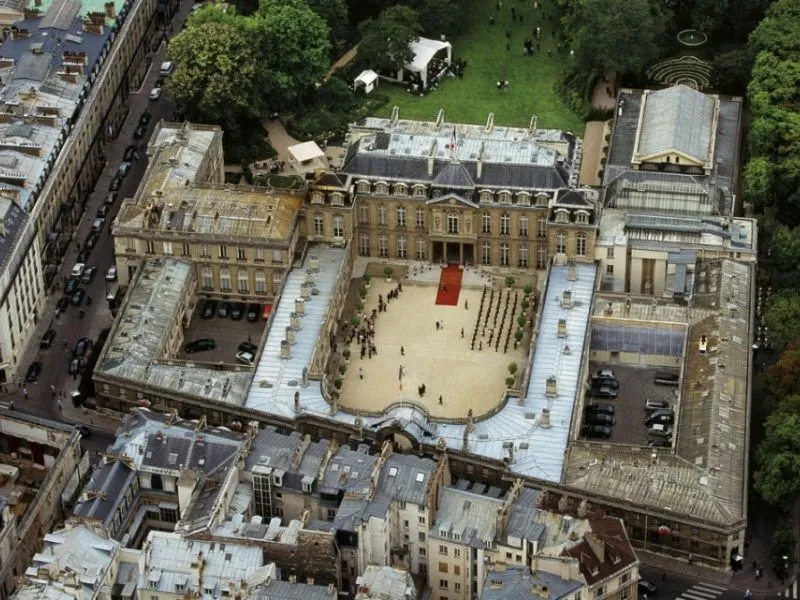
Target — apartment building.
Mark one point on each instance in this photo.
(385, 583)
(521, 583)
(39, 461)
(240, 239)
(445, 192)
(67, 69)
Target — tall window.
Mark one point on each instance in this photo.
(338, 226)
(363, 214)
(420, 217)
(277, 281)
(401, 247)
(186, 250)
(363, 244)
(167, 248)
(522, 256)
(401, 216)
(504, 224)
(225, 279)
(486, 253)
(504, 254)
(452, 223)
(541, 228)
(523, 226)
(561, 242)
(580, 244)
(487, 224)
(261, 283)
(383, 246)
(541, 258)
(207, 277)
(241, 254)
(223, 251)
(319, 225)
(421, 249)
(259, 255)
(244, 281)
(381, 215)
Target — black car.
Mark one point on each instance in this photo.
(33, 372)
(110, 198)
(665, 418)
(116, 183)
(200, 346)
(605, 382)
(224, 309)
(140, 131)
(646, 587)
(102, 212)
(145, 118)
(62, 304)
(599, 419)
(237, 311)
(600, 409)
(88, 274)
(248, 347)
(83, 255)
(606, 392)
(596, 431)
(77, 297)
(72, 285)
(84, 430)
(209, 308)
(91, 239)
(81, 348)
(252, 312)
(131, 153)
(48, 338)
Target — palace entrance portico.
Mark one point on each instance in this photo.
(459, 253)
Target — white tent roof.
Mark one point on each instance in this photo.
(306, 151)
(367, 76)
(424, 49)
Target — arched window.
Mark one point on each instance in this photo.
(561, 242)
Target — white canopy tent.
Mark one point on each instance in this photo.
(368, 79)
(424, 50)
(307, 156)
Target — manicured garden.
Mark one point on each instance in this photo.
(532, 79)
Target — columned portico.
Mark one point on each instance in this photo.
(452, 252)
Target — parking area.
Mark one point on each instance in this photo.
(636, 385)
(226, 332)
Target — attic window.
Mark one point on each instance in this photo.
(420, 477)
(149, 454)
(173, 458)
(392, 471)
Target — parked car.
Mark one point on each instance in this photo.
(33, 372)
(75, 366)
(141, 130)
(603, 374)
(596, 431)
(200, 345)
(209, 308)
(248, 347)
(661, 443)
(145, 118)
(266, 312)
(131, 153)
(116, 183)
(652, 404)
(252, 312)
(73, 283)
(62, 304)
(660, 430)
(155, 93)
(102, 212)
(247, 358)
(647, 587)
(224, 309)
(91, 240)
(166, 68)
(83, 255)
(666, 378)
(665, 418)
(98, 224)
(77, 270)
(237, 310)
(77, 297)
(88, 274)
(81, 348)
(606, 392)
(124, 169)
(599, 419)
(600, 408)
(111, 274)
(110, 198)
(48, 338)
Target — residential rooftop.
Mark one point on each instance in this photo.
(604, 551)
(258, 530)
(518, 583)
(140, 345)
(15, 232)
(385, 583)
(466, 518)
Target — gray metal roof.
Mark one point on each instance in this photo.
(61, 14)
(349, 471)
(277, 451)
(518, 583)
(467, 518)
(405, 478)
(285, 590)
(103, 494)
(522, 522)
(14, 222)
(677, 119)
(387, 583)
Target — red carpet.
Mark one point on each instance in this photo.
(449, 285)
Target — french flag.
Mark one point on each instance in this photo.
(453, 140)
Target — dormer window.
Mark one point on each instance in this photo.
(337, 199)
(582, 216)
(486, 196)
(542, 199)
(504, 197)
(362, 187)
(400, 189)
(381, 188)
(524, 199)
(562, 215)
(317, 198)
(419, 191)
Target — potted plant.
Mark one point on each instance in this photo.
(367, 278)
(338, 383)
(521, 321)
(342, 369)
(363, 292)
(355, 322)
(346, 353)
(360, 306)
(512, 368)
(509, 381)
(525, 305)
(509, 281)
(518, 335)
(388, 272)
(528, 289)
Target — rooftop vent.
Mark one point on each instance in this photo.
(562, 328)
(551, 387)
(566, 299)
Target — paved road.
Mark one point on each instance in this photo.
(41, 400)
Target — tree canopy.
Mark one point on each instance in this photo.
(782, 379)
(777, 478)
(386, 41)
(782, 317)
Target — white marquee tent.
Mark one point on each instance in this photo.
(424, 50)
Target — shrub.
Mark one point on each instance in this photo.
(521, 321)
(366, 278)
(388, 272)
(509, 381)
(518, 335)
(342, 369)
(338, 383)
(359, 306)
(512, 368)
(525, 305)
(355, 322)
(528, 289)
(346, 353)
(509, 281)
(362, 292)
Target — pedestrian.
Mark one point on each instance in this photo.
(462, 332)
(690, 559)
(11, 405)
(466, 304)
(437, 325)
(441, 402)
(748, 595)
(53, 389)
(491, 20)
(249, 339)
(520, 19)
(663, 575)
(402, 351)
(360, 373)
(66, 343)
(25, 392)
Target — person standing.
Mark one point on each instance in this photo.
(360, 372)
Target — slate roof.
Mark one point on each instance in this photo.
(331, 179)
(522, 522)
(405, 478)
(276, 450)
(454, 175)
(470, 517)
(677, 119)
(617, 556)
(102, 496)
(348, 470)
(518, 583)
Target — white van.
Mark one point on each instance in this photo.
(166, 68)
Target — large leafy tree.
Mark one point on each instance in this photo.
(782, 318)
(777, 478)
(437, 17)
(334, 13)
(386, 41)
(214, 71)
(783, 378)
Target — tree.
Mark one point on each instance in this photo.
(757, 182)
(777, 478)
(292, 45)
(783, 545)
(386, 41)
(782, 379)
(782, 318)
(732, 70)
(213, 75)
(779, 31)
(784, 249)
(439, 17)
(334, 13)
(709, 15)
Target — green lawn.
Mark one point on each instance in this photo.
(532, 79)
